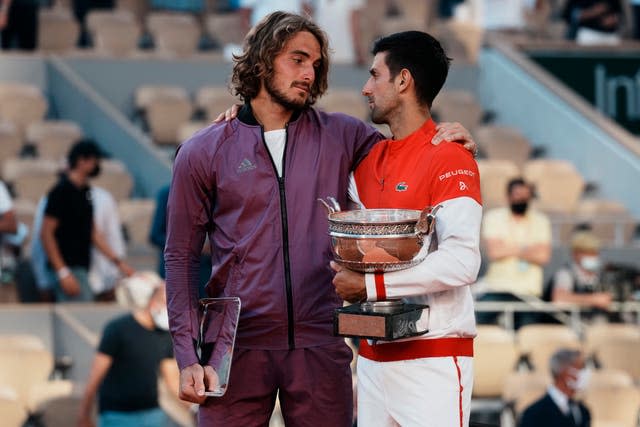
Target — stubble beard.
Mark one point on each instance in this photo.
(282, 99)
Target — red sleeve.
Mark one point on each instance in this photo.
(454, 173)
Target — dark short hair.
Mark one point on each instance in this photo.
(83, 149)
(264, 42)
(515, 182)
(422, 55)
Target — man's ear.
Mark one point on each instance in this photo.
(404, 79)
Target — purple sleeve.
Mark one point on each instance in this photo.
(366, 137)
(191, 198)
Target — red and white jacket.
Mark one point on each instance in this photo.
(412, 173)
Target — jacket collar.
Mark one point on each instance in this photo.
(245, 115)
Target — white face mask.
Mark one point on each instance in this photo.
(590, 263)
(581, 380)
(161, 318)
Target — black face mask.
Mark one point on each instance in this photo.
(95, 172)
(519, 208)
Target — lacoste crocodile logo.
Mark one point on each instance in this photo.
(402, 186)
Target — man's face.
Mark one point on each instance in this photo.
(570, 376)
(520, 194)
(294, 71)
(380, 90)
(90, 166)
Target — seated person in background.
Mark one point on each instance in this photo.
(556, 408)
(578, 281)
(593, 21)
(517, 240)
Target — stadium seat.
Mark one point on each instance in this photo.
(523, 388)
(503, 143)
(165, 116)
(21, 341)
(493, 343)
(494, 177)
(608, 379)
(614, 405)
(10, 141)
(21, 104)
(114, 178)
(186, 130)
(114, 32)
(346, 101)
(58, 30)
(138, 8)
(146, 93)
(53, 138)
(41, 394)
(458, 106)
(136, 216)
(22, 368)
(58, 411)
(609, 220)
(538, 342)
(600, 334)
(12, 412)
(31, 178)
(225, 28)
(622, 354)
(213, 100)
(174, 34)
(558, 184)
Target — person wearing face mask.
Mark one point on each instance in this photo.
(517, 242)
(557, 407)
(578, 281)
(68, 230)
(134, 348)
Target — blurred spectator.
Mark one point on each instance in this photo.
(341, 21)
(578, 282)
(158, 232)
(134, 348)
(255, 10)
(80, 9)
(68, 228)
(103, 275)
(8, 221)
(190, 6)
(635, 10)
(593, 21)
(19, 24)
(158, 236)
(517, 240)
(557, 407)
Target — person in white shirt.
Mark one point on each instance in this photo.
(341, 20)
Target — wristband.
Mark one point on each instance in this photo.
(116, 261)
(63, 273)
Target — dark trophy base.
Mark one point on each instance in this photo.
(381, 320)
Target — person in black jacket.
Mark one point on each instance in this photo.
(593, 21)
(19, 24)
(557, 407)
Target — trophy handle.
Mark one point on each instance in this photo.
(427, 221)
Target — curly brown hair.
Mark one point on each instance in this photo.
(263, 43)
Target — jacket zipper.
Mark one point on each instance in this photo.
(285, 235)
